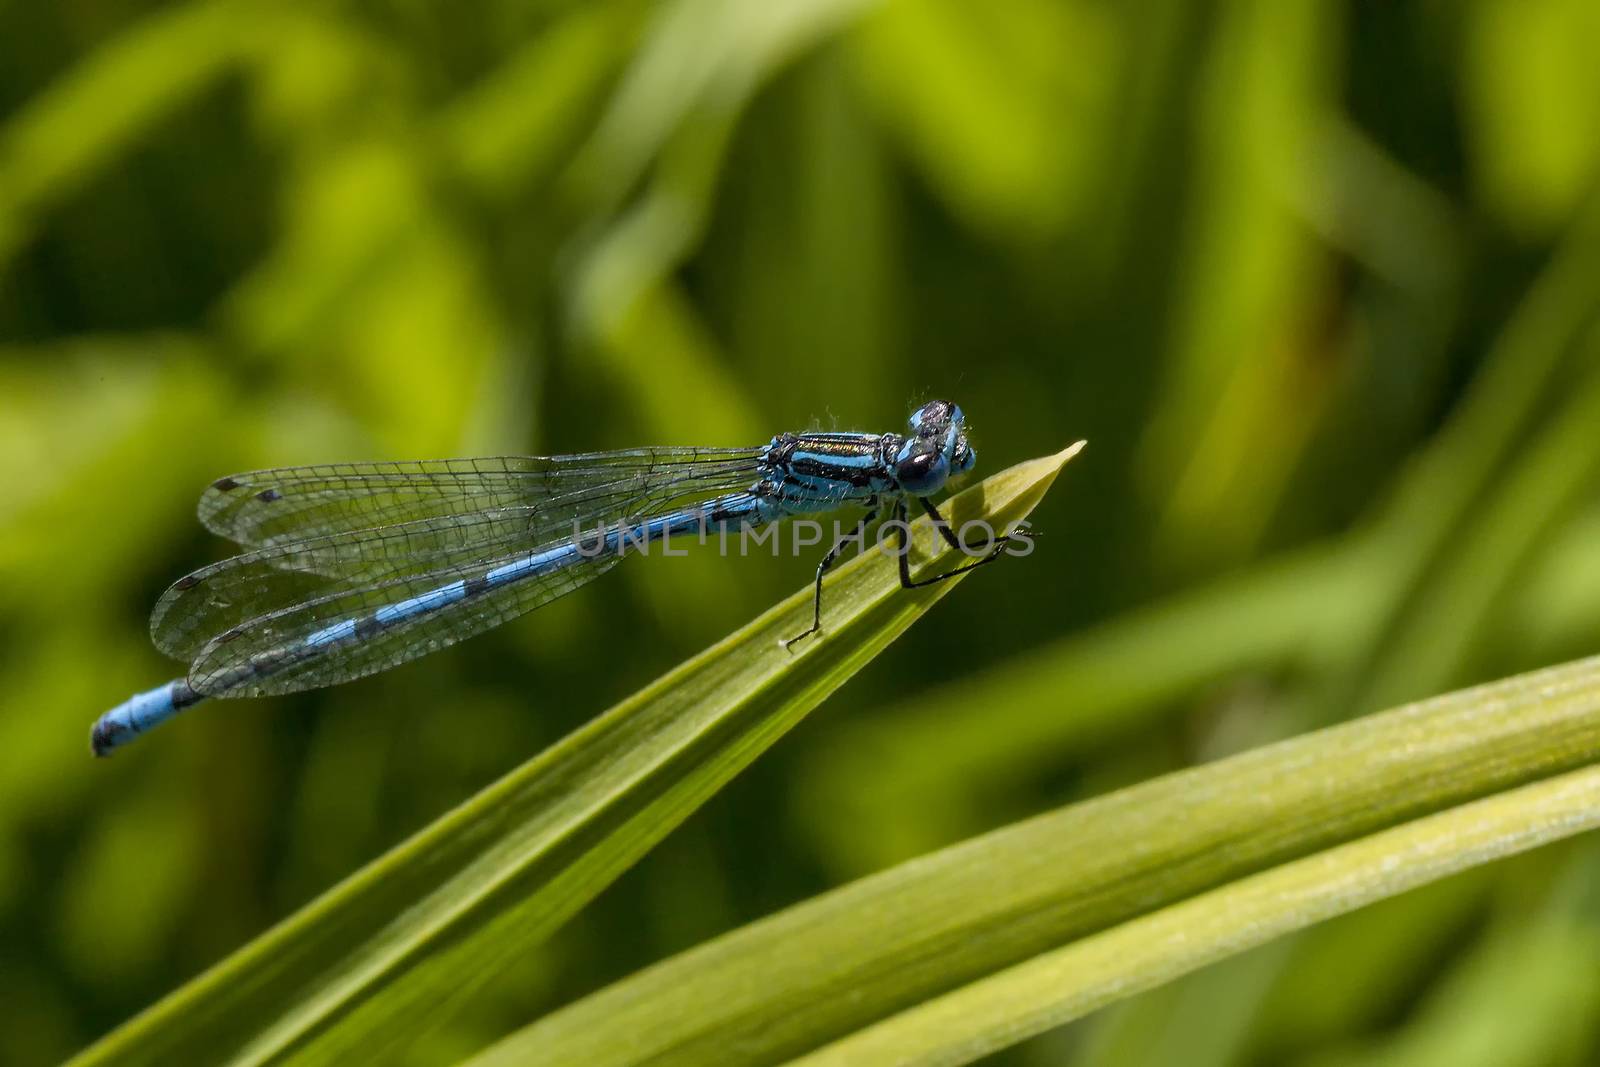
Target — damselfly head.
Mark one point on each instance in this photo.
(937, 448)
(944, 423)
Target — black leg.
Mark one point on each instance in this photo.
(949, 536)
(822, 568)
(996, 546)
(939, 522)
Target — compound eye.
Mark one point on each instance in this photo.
(921, 472)
(914, 467)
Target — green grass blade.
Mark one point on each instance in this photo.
(1120, 679)
(1068, 983)
(844, 961)
(381, 957)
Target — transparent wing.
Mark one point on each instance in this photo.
(268, 507)
(270, 653)
(225, 595)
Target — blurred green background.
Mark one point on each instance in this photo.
(1318, 281)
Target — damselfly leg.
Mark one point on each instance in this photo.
(992, 552)
(997, 546)
(857, 534)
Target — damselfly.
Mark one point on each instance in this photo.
(356, 568)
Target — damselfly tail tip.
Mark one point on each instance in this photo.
(139, 713)
(106, 735)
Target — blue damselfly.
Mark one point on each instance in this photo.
(355, 568)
